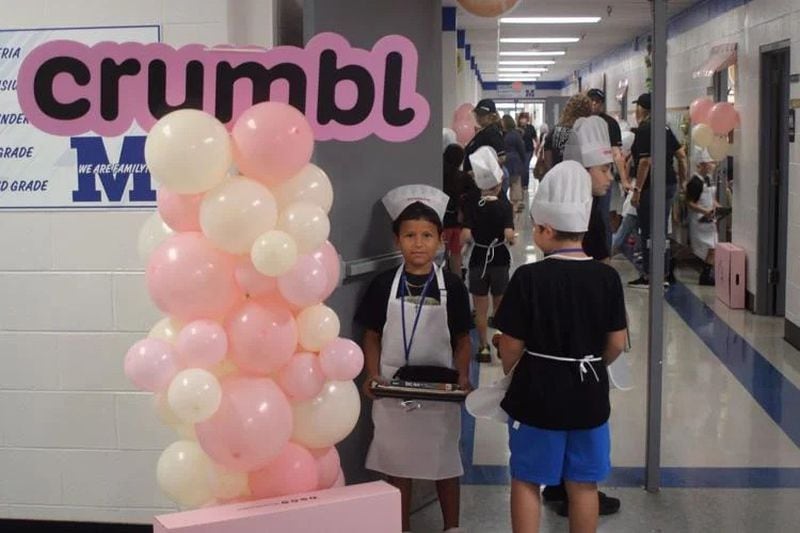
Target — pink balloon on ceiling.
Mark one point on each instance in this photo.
(488, 8)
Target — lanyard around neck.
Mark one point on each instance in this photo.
(564, 251)
(406, 341)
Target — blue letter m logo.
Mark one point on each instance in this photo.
(93, 162)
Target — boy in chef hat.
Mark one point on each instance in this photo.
(416, 315)
(563, 320)
(489, 226)
(701, 199)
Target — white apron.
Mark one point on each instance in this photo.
(490, 248)
(703, 235)
(421, 442)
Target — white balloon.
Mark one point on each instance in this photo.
(310, 185)
(236, 212)
(317, 326)
(702, 135)
(308, 225)
(184, 473)
(329, 417)
(274, 253)
(171, 420)
(154, 231)
(228, 484)
(194, 395)
(166, 329)
(718, 149)
(188, 151)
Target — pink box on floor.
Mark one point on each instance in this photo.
(730, 268)
(366, 508)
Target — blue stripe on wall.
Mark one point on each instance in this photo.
(448, 19)
(467, 52)
(461, 38)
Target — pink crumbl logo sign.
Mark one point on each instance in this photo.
(68, 88)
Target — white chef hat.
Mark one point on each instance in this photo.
(448, 138)
(401, 197)
(701, 155)
(563, 199)
(627, 140)
(486, 168)
(589, 143)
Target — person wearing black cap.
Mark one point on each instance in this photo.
(642, 196)
(489, 135)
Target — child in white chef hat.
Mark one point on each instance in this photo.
(563, 320)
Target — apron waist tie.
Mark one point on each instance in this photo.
(496, 243)
(584, 363)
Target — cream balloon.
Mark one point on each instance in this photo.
(310, 185)
(194, 395)
(228, 484)
(317, 326)
(171, 420)
(184, 473)
(719, 147)
(235, 213)
(274, 253)
(188, 151)
(329, 417)
(154, 231)
(702, 135)
(308, 225)
(166, 329)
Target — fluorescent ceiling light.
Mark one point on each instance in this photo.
(539, 40)
(549, 20)
(518, 78)
(545, 62)
(521, 69)
(534, 54)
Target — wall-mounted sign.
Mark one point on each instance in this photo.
(42, 171)
(346, 93)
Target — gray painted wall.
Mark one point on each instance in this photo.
(362, 172)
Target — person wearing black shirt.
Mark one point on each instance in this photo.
(489, 135)
(576, 107)
(457, 184)
(642, 196)
(702, 202)
(529, 138)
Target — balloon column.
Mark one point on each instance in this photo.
(464, 123)
(247, 366)
(713, 122)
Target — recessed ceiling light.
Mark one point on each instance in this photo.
(522, 69)
(549, 20)
(539, 40)
(543, 62)
(534, 54)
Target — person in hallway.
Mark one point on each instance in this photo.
(628, 228)
(530, 139)
(515, 160)
(489, 225)
(701, 199)
(642, 197)
(576, 107)
(416, 314)
(490, 134)
(457, 184)
(563, 321)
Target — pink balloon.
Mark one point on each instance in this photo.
(151, 364)
(328, 466)
(253, 283)
(463, 112)
(189, 279)
(465, 131)
(293, 471)
(329, 258)
(305, 284)
(302, 378)
(181, 212)
(202, 344)
(262, 337)
(722, 118)
(250, 428)
(272, 142)
(341, 360)
(340, 480)
(699, 110)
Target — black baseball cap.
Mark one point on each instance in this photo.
(486, 106)
(643, 101)
(596, 95)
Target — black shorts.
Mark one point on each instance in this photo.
(495, 280)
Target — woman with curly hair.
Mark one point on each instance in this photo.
(577, 106)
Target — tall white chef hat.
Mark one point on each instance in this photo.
(563, 200)
(701, 155)
(589, 143)
(401, 197)
(486, 168)
(627, 141)
(448, 138)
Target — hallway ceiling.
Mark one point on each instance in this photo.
(621, 21)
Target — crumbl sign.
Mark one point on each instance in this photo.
(67, 88)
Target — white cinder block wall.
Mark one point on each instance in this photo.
(76, 441)
(751, 26)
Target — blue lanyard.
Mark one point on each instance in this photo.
(564, 251)
(408, 342)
